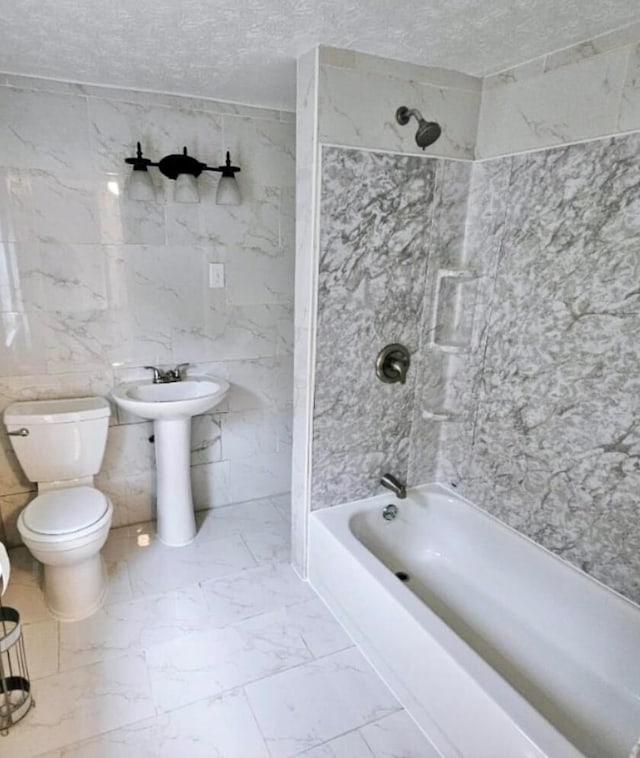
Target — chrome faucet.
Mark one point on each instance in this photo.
(391, 483)
(170, 375)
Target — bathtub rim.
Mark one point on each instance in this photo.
(329, 513)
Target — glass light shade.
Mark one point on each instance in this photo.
(228, 192)
(140, 186)
(186, 190)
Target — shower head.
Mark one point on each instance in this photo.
(428, 131)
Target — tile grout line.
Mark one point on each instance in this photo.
(257, 723)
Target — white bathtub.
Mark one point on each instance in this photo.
(495, 646)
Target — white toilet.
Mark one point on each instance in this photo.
(60, 445)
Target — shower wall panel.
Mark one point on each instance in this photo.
(388, 222)
(549, 436)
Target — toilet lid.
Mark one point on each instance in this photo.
(65, 511)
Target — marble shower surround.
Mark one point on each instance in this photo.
(94, 286)
(330, 81)
(546, 433)
(549, 439)
(386, 221)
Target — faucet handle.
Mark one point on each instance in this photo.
(157, 373)
(392, 364)
(180, 369)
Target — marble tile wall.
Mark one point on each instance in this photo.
(586, 91)
(358, 96)
(548, 437)
(93, 286)
(389, 223)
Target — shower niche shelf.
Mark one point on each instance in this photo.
(456, 348)
(445, 397)
(456, 292)
(440, 414)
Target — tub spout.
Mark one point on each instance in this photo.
(391, 483)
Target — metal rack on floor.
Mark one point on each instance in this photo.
(15, 687)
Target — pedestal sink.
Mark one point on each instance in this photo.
(171, 406)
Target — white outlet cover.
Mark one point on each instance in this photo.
(216, 275)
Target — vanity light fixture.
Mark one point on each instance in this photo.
(184, 169)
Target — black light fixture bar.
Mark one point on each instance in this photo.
(173, 165)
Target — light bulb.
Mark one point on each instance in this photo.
(228, 192)
(140, 186)
(186, 190)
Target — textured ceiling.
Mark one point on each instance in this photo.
(244, 50)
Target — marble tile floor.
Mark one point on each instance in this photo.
(216, 649)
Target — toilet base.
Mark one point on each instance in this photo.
(75, 591)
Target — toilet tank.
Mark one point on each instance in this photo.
(66, 439)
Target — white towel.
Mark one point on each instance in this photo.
(635, 751)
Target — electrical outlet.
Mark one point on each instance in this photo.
(216, 275)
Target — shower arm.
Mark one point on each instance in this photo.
(403, 115)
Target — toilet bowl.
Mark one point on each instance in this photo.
(60, 445)
(65, 529)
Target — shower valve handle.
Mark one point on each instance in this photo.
(392, 364)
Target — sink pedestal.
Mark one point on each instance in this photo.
(171, 405)
(176, 517)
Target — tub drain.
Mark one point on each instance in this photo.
(402, 576)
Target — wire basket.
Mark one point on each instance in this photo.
(15, 687)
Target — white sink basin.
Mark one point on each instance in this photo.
(191, 396)
(170, 406)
